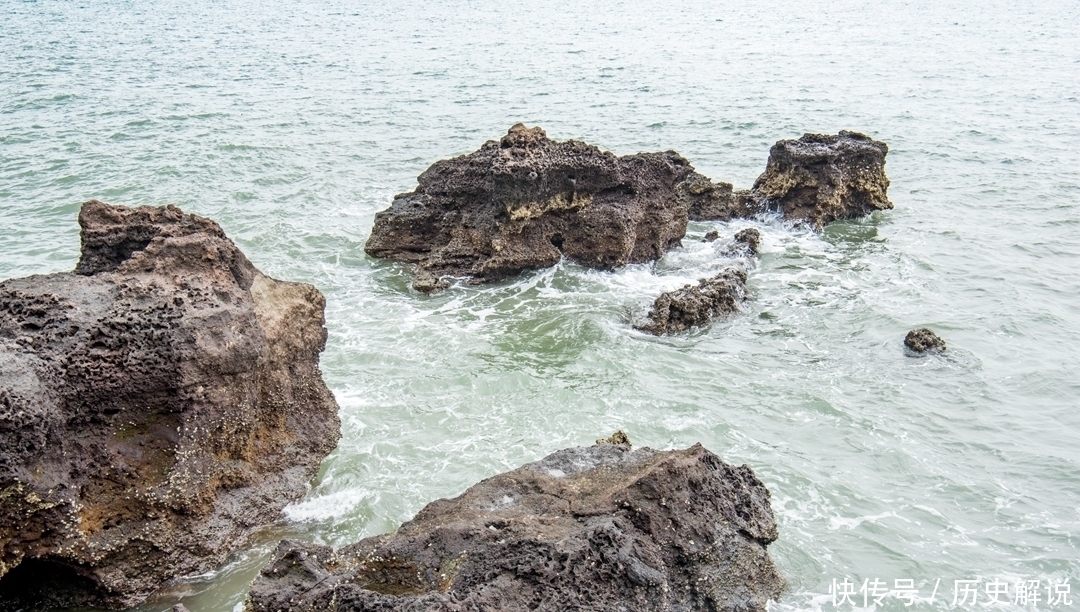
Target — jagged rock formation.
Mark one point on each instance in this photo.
(694, 305)
(156, 405)
(819, 179)
(526, 201)
(924, 340)
(602, 528)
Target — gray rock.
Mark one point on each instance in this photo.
(156, 405)
(602, 528)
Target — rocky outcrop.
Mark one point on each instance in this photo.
(156, 405)
(527, 201)
(923, 340)
(819, 179)
(602, 528)
(696, 305)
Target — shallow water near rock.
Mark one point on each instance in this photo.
(292, 124)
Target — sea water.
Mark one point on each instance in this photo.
(291, 123)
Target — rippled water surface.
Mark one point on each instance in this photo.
(291, 123)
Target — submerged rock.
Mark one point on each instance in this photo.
(602, 528)
(526, 201)
(819, 179)
(749, 239)
(694, 305)
(923, 340)
(156, 405)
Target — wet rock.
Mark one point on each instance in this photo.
(708, 200)
(527, 201)
(180, 608)
(156, 405)
(602, 528)
(619, 437)
(923, 340)
(819, 179)
(750, 239)
(695, 305)
(711, 236)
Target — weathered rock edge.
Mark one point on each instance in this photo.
(156, 405)
(600, 528)
(526, 201)
(714, 297)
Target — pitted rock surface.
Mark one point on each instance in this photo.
(819, 179)
(526, 201)
(924, 340)
(156, 405)
(600, 528)
(696, 305)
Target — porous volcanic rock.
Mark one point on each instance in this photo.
(600, 528)
(156, 405)
(694, 305)
(820, 178)
(526, 201)
(924, 340)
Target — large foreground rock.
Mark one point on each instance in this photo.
(602, 528)
(156, 405)
(526, 201)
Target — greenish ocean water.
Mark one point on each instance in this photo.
(292, 123)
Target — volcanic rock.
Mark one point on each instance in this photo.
(526, 201)
(819, 179)
(694, 305)
(602, 528)
(156, 405)
(923, 340)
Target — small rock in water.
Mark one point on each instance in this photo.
(679, 310)
(426, 282)
(180, 608)
(923, 340)
(749, 237)
(619, 437)
(711, 236)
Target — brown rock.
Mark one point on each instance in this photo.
(819, 179)
(679, 310)
(602, 528)
(924, 340)
(156, 406)
(526, 201)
